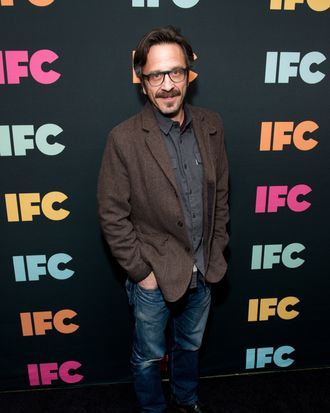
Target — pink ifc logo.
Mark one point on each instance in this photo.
(269, 199)
(45, 373)
(15, 64)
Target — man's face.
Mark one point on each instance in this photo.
(168, 97)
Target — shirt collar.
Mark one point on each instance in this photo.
(166, 124)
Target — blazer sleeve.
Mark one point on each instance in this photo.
(113, 194)
(221, 206)
(220, 235)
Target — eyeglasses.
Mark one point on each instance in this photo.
(176, 75)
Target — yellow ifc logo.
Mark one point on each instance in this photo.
(39, 3)
(316, 5)
(263, 308)
(24, 206)
(135, 79)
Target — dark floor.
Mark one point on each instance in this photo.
(282, 392)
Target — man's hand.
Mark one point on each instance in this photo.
(149, 283)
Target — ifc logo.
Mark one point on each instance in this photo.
(316, 5)
(39, 3)
(184, 4)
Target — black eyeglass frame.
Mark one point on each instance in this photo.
(167, 72)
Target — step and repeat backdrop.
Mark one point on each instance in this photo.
(65, 81)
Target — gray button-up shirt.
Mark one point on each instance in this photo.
(183, 149)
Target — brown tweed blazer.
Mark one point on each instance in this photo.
(139, 206)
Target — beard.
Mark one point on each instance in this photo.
(169, 108)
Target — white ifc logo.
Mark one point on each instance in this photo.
(183, 4)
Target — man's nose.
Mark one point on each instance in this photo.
(167, 84)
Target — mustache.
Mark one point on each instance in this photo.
(169, 94)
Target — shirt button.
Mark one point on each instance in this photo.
(180, 223)
(187, 249)
(185, 166)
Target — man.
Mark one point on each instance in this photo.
(163, 209)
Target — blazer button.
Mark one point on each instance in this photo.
(180, 223)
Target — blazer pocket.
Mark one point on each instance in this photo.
(151, 238)
(154, 251)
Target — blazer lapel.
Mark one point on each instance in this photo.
(203, 130)
(156, 144)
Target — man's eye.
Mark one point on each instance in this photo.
(177, 72)
(155, 76)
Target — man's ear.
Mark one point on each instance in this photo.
(143, 88)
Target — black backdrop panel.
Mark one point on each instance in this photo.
(65, 81)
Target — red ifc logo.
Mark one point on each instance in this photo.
(23, 207)
(39, 3)
(46, 373)
(38, 322)
(14, 61)
(274, 135)
(316, 5)
(269, 199)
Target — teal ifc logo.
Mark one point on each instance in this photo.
(184, 4)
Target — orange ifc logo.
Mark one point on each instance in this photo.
(39, 3)
(37, 323)
(274, 135)
(23, 207)
(316, 5)
(135, 79)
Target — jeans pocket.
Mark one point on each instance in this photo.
(151, 295)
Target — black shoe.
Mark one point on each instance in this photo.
(196, 407)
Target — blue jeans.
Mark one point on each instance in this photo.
(186, 320)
